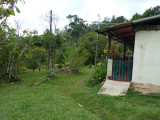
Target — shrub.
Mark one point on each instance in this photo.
(67, 64)
(100, 73)
(23, 68)
(52, 75)
(77, 58)
(90, 65)
(60, 66)
(56, 65)
(32, 64)
(44, 66)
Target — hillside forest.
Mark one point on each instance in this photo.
(55, 49)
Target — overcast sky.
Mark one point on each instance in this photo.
(86, 9)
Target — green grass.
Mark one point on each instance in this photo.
(59, 99)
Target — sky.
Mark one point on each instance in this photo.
(32, 10)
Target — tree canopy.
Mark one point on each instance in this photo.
(74, 46)
(147, 13)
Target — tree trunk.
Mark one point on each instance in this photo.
(96, 55)
(50, 50)
(50, 62)
(10, 71)
(17, 67)
(39, 66)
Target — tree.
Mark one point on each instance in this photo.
(76, 28)
(147, 13)
(18, 47)
(9, 38)
(113, 19)
(151, 12)
(10, 46)
(89, 43)
(7, 8)
(34, 57)
(119, 19)
(77, 57)
(46, 19)
(4, 51)
(136, 16)
(50, 36)
(49, 44)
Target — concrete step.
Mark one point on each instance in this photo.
(114, 88)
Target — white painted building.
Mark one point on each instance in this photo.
(143, 37)
(146, 62)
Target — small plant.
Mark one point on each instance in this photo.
(90, 65)
(56, 65)
(52, 75)
(100, 73)
(67, 64)
(44, 66)
(99, 64)
(60, 66)
(22, 68)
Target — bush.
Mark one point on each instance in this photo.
(44, 66)
(77, 58)
(100, 73)
(52, 75)
(32, 63)
(60, 66)
(56, 65)
(23, 68)
(67, 64)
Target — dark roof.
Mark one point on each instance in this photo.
(125, 33)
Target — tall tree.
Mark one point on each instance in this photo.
(147, 13)
(46, 19)
(151, 12)
(136, 16)
(119, 19)
(51, 20)
(76, 28)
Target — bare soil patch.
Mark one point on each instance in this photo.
(67, 70)
(26, 71)
(145, 88)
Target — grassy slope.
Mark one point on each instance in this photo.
(58, 99)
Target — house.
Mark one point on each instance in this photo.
(143, 38)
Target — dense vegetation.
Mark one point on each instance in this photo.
(72, 47)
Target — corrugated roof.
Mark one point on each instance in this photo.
(125, 33)
(146, 19)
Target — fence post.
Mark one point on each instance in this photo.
(124, 51)
(108, 57)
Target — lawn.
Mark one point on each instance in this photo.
(69, 97)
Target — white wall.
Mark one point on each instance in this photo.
(146, 63)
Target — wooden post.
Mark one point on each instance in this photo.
(109, 48)
(124, 51)
(96, 53)
(109, 55)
